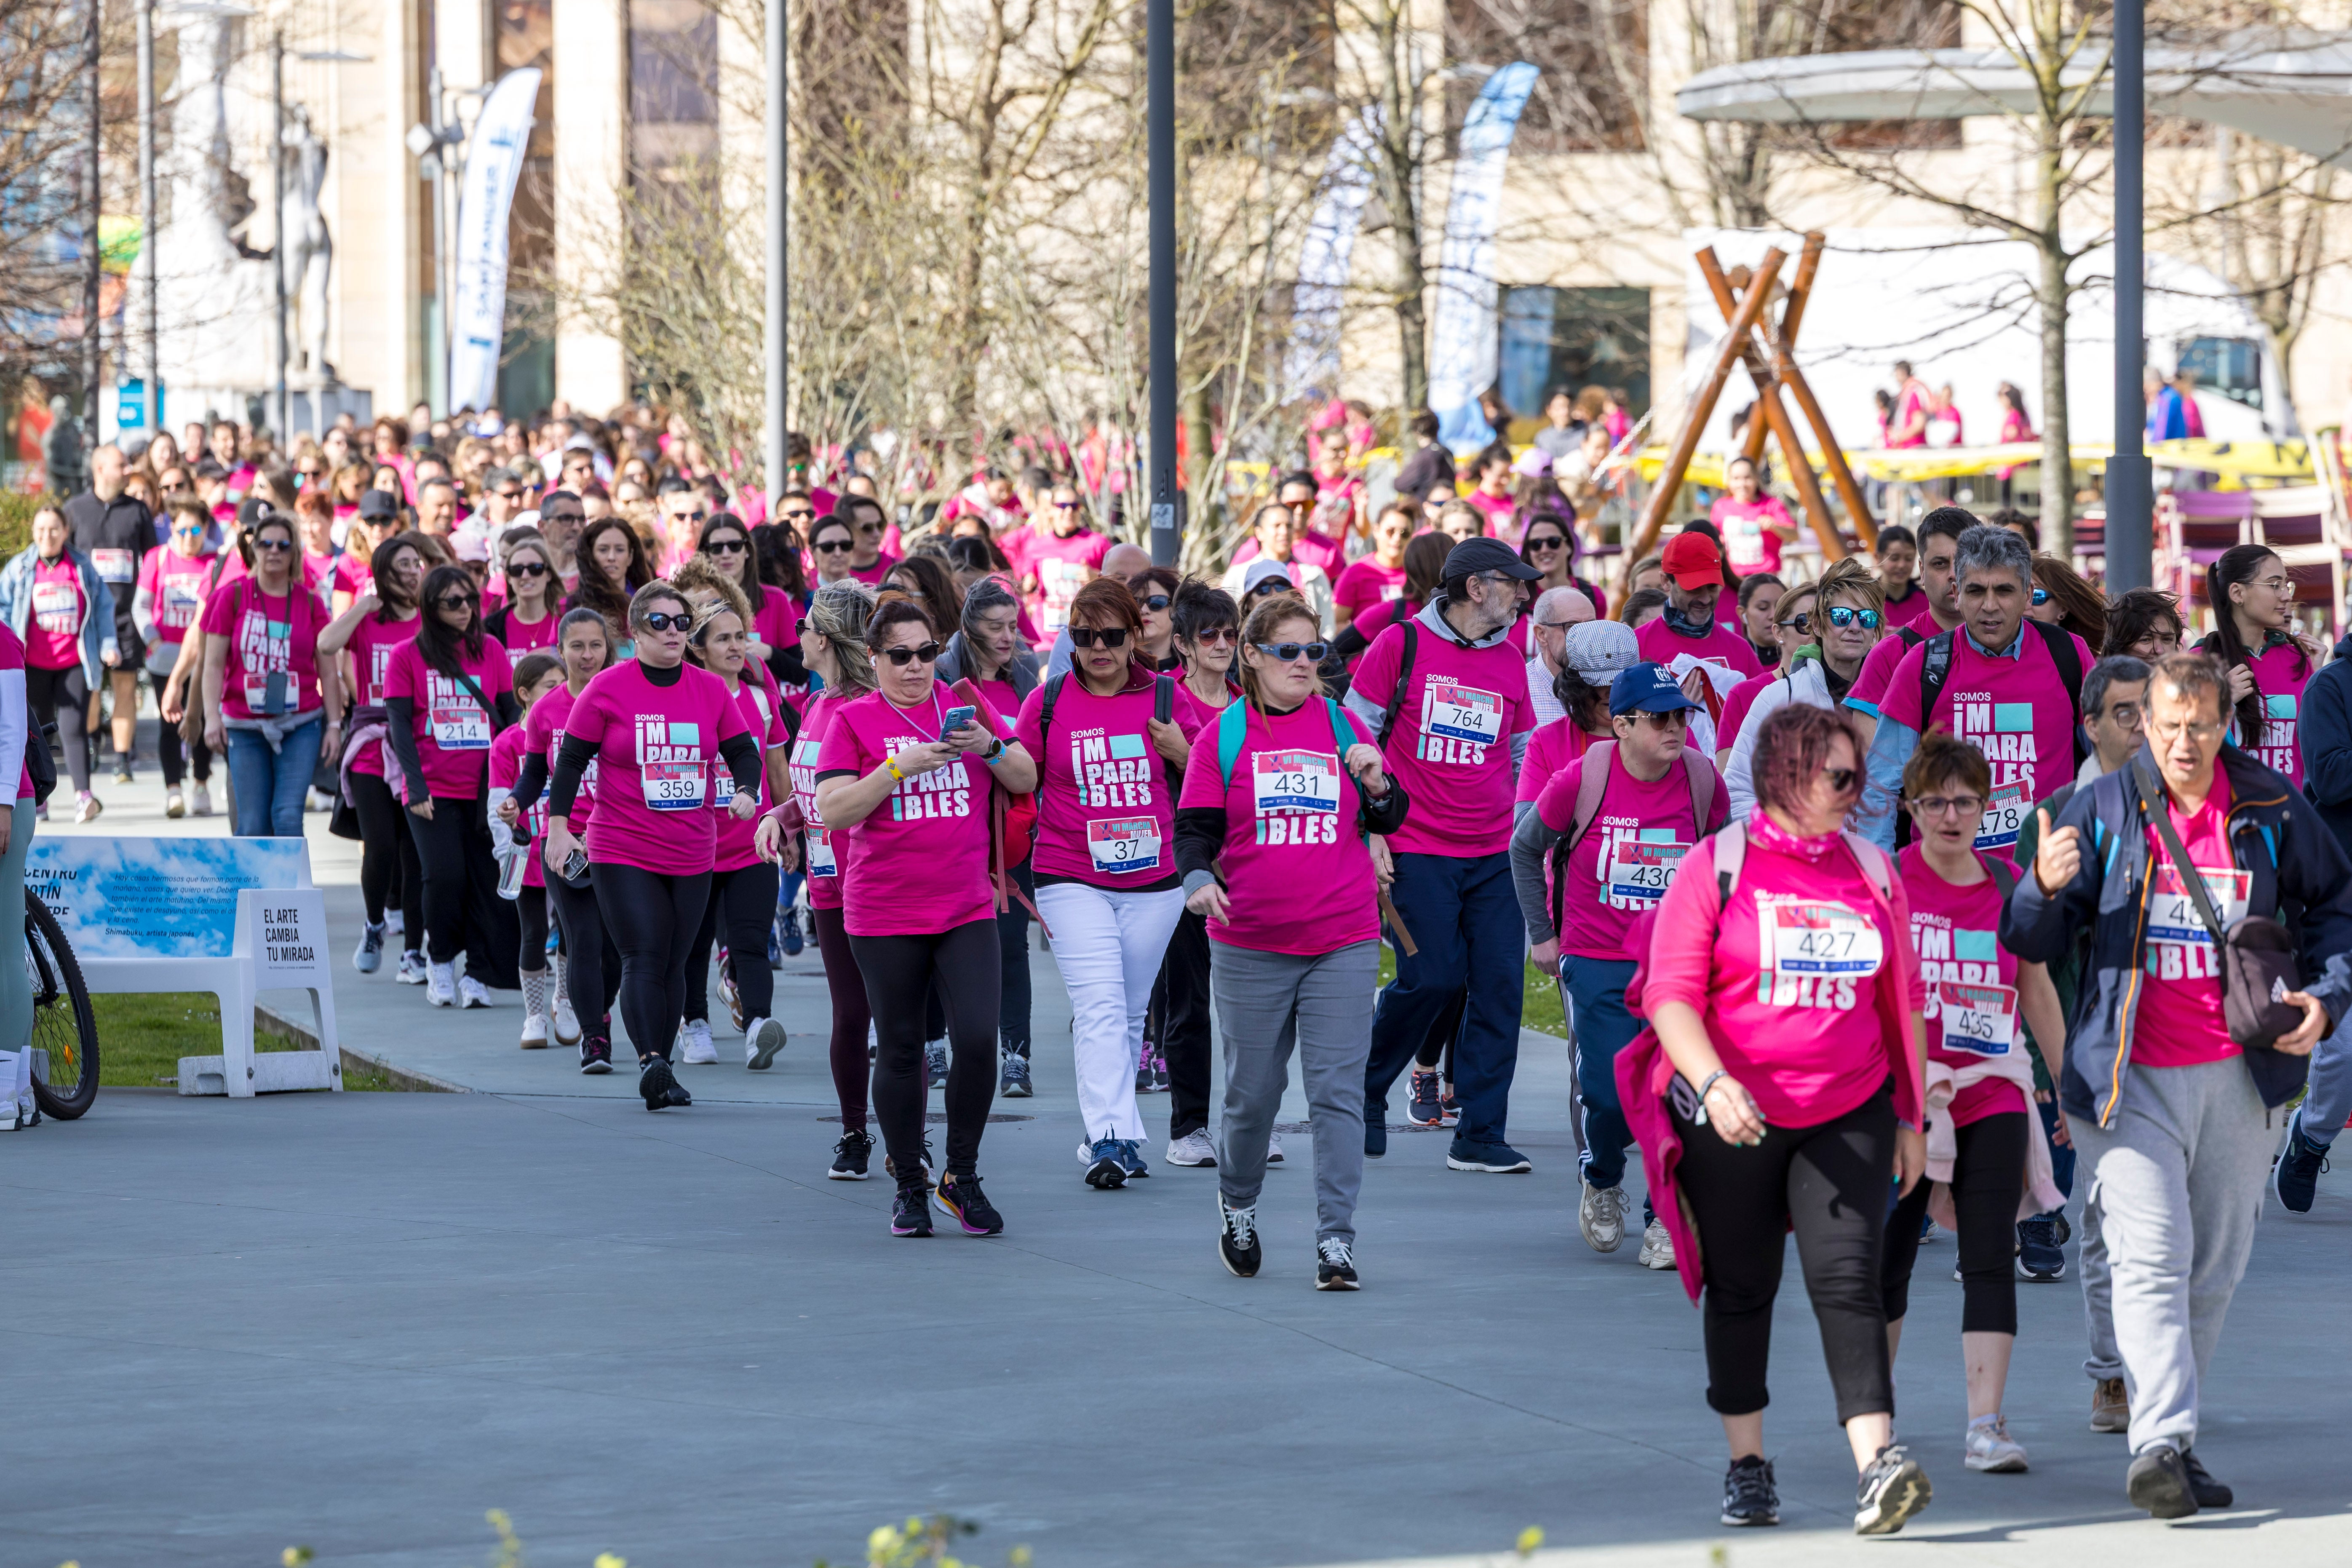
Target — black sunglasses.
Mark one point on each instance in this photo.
(929, 653)
(563, 517)
(832, 546)
(1548, 541)
(801, 516)
(696, 515)
(662, 621)
(526, 569)
(1842, 780)
(726, 546)
(454, 601)
(1155, 602)
(1285, 652)
(1086, 637)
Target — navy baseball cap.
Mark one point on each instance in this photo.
(1646, 688)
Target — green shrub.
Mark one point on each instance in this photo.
(16, 521)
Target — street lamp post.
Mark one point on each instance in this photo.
(1167, 497)
(151, 354)
(92, 246)
(2130, 489)
(778, 352)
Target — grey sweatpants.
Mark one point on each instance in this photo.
(1267, 1002)
(2174, 1188)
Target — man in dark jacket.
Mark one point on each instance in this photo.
(2173, 1120)
(116, 530)
(2328, 779)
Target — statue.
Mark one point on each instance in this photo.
(62, 451)
(305, 251)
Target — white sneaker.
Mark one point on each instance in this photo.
(700, 1051)
(1990, 1447)
(88, 807)
(762, 1039)
(1600, 1215)
(567, 1022)
(1274, 1148)
(1657, 1246)
(441, 985)
(394, 923)
(175, 807)
(472, 992)
(1193, 1149)
(318, 800)
(534, 1031)
(203, 806)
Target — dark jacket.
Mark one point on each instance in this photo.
(2327, 744)
(2274, 835)
(123, 523)
(955, 664)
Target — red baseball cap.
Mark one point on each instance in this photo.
(1693, 561)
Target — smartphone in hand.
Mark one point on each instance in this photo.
(957, 718)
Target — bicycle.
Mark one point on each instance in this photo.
(63, 1023)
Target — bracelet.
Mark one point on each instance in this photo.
(890, 766)
(1708, 1084)
(995, 752)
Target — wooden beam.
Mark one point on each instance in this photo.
(1809, 261)
(1773, 416)
(1752, 439)
(1670, 478)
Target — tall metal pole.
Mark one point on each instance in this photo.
(776, 461)
(281, 416)
(439, 379)
(151, 352)
(1166, 499)
(93, 256)
(2130, 489)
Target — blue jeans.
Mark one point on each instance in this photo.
(2328, 1106)
(1596, 989)
(271, 784)
(1464, 917)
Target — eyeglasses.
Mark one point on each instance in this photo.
(1291, 652)
(273, 544)
(454, 602)
(1087, 637)
(1847, 614)
(1154, 602)
(803, 515)
(664, 621)
(507, 495)
(1842, 780)
(929, 653)
(1802, 621)
(2202, 733)
(526, 569)
(696, 515)
(1217, 636)
(1949, 806)
(2282, 586)
(1068, 505)
(1679, 718)
(833, 547)
(727, 547)
(1548, 541)
(2127, 714)
(563, 517)
(2040, 595)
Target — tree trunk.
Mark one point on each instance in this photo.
(1401, 115)
(2057, 443)
(1203, 498)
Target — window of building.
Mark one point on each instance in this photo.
(673, 87)
(1574, 338)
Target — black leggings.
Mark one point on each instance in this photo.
(591, 965)
(387, 848)
(851, 1014)
(531, 908)
(462, 907)
(1438, 1044)
(743, 903)
(1833, 1183)
(1988, 1183)
(62, 695)
(963, 963)
(1178, 1022)
(653, 916)
(168, 744)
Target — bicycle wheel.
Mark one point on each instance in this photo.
(63, 1023)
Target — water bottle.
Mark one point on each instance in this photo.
(512, 865)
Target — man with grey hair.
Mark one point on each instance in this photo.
(2003, 683)
(1555, 610)
(116, 530)
(436, 506)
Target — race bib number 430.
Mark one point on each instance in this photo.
(1642, 870)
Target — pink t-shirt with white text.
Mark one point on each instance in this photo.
(2279, 675)
(2179, 1022)
(453, 728)
(921, 857)
(826, 852)
(11, 656)
(763, 715)
(53, 629)
(1630, 854)
(656, 748)
(1749, 545)
(175, 583)
(1450, 745)
(2015, 710)
(369, 655)
(1062, 567)
(1297, 875)
(1106, 808)
(1970, 981)
(267, 635)
(1785, 975)
(1367, 582)
(542, 729)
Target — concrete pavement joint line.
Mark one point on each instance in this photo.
(830, 1188)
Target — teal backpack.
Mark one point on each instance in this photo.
(1232, 733)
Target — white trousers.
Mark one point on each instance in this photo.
(1109, 946)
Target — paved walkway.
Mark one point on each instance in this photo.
(358, 1322)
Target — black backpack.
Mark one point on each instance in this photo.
(1936, 669)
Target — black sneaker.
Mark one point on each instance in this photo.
(1237, 1242)
(2209, 1492)
(1376, 1134)
(660, 1086)
(1498, 1158)
(1143, 1070)
(1105, 1170)
(1750, 1497)
(2158, 1483)
(1420, 1102)
(1012, 1081)
(596, 1056)
(910, 1210)
(962, 1196)
(850, 1155)
(1159, 1069)
(2039, 1254)
(2296, 1174)
(1891, 1490)
(1334, 1266)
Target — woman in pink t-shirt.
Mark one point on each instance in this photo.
(833, 648)
(1789, 1008)
(774, 631)
(656, 727)
(448, 692)
(60, 607)
(365, 637)
(1754, 525)
(1976, 994)
(742, 904)
(525, 623)
(516, 835)
(910, 791)
(2270, 660)
(271, 703)
(1380, 575)
(1105, 860)
(172, 582)
(1274, 857)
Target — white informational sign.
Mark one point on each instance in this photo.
(281, 945)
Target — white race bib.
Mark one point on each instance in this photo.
(1461, 713)
(459, 726)
(1125, 844)
(1817, 937)
(2172, 913)
(115, 565)
(821, 862)
(1978, 1018)
(1295, 781)
(671, 787)
(57, 606)
(1641, 869)
(2004, 813)
(182, 600)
